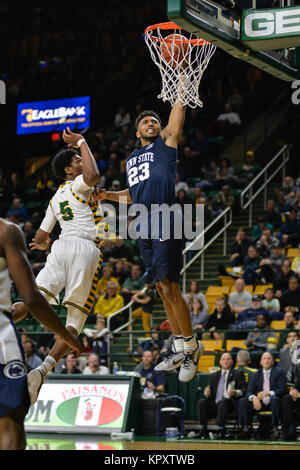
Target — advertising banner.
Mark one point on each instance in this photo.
(79, 407)
(54, 115)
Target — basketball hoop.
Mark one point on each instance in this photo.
(181, 61)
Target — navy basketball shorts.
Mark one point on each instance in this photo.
(162, 258)
(13, 373)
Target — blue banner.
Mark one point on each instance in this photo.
(54, 115)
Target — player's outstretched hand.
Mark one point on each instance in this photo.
(98, 194)
(39, 246)
(70, 138)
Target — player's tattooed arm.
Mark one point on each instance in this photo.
(171, 134)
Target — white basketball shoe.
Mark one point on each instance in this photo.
(190, 363)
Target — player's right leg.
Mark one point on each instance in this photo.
(12, 433)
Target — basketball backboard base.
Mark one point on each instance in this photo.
(222, 27)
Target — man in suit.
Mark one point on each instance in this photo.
(286, 353)
(291, 401)
(266, 389)
(225, 388)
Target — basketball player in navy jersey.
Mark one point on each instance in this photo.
(150, 173)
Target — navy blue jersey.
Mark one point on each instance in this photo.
(150, 174)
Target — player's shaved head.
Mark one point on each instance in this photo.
(144, 114)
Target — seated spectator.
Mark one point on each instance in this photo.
(143, 306)
(200, 147)
(120, 272)
(290, 231)
(87, 346)
(194, 291)
(257, 230)
(122, 118)
(262, 339)
(109, 303)
(208, 183)
(266, 389)
(247, 170)
(225, 175)
(232, 121)
(93, 366)
(239, 248)
(275, 260)
(252, 269)
(291, 297)
(44, 342)
(182, 198)
(199, 315)
(180, 184)
(272, 215)
(154, 340)
(270, 302)
(155, 381)
(45, 187)
(18, 210)
(222, 395)
(71, 365)
(120, 251)
(98, 338)
(281, 280)
(265, 243)
(220, 319)
(290, 409)
(32, 360)
(223, 199)
(250, 314)
(287, 194)
(133, 284)
(243, 363)
(240, 299)
(104, 280)
(285, 361)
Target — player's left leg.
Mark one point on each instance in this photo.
(74, 323)
(12, 433)
(192, 349)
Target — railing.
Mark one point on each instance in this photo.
(122, 327)
(249, 193)
(226, 216)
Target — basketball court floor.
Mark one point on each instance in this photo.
(83, 442)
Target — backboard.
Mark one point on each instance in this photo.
(264, 44)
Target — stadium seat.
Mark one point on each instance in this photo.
(278, 325)
(227, 281)
(259, 290)
(212, 345)
(206, 362)
(292, 253)
(217, 291)
(235, 343)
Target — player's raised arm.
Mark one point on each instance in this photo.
(171, 134)
(90, 170)
(13, 243)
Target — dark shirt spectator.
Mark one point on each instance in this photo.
(71, 366)
(250, 314)
(290, 230)
(239, 248)
(120, 251)
(281, 281)
(220, 319)
(272, 215)
(291, 297)
(153, 380)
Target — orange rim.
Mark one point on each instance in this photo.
(170, 25)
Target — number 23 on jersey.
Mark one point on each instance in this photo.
(138, 173)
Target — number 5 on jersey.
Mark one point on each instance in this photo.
(140, 173)
(66, 211)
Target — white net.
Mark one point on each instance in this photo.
(181, 60)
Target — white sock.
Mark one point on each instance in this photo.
(48, 364)
(190, 343)
(178, 343)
